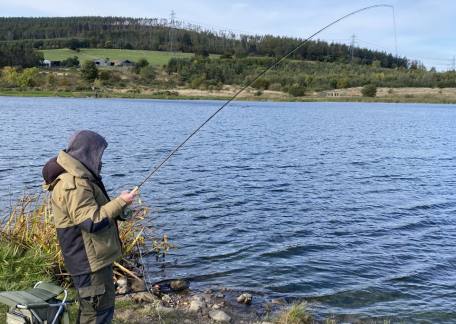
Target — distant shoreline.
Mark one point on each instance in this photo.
(217, 95)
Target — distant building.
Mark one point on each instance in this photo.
(123, 63)
(101, 62)
(50, 64)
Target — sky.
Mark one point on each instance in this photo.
(425, 28)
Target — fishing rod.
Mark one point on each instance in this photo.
(248, 84)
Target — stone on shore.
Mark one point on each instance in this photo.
(138, 285)
(122, 286)
(245, 298)
(219, 316)
(179, 284)
(196, 304)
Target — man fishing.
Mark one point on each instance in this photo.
(86, 223)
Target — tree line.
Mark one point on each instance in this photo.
(19, 55)
(140, 33)
(294, 76)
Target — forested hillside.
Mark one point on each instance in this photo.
(159, 34)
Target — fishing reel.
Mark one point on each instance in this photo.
(128, 211)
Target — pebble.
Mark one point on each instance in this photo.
(219, 316)
(179, 284)
(196, 305)
(166, 299)
(122, 282)
(215, 306)
(278, 301)
(138, 285)
(219, 295)
(245, 298)
(122, 286)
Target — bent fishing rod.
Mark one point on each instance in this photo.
(250, 83)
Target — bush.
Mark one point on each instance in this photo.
(28, 77)
(369, 90)
(70, 62)
(148, 73)
(105, 75)
(89, 71)
(140, 64)
(197, 82)
(261, 84)
(275, 87)
(297, 91)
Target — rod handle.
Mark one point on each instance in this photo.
(135, 190)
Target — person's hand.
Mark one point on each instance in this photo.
(128, 197)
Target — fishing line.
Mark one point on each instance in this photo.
(248, 84)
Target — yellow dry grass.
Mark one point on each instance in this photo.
(30, 225)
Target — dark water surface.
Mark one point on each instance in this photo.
(350, 206)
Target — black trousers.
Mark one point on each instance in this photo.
(96, 295)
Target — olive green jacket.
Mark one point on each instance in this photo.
(85, 219)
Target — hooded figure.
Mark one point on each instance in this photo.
(86, 223)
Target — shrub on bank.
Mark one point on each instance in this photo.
(297, 91)
(369, 90)
(30, 251)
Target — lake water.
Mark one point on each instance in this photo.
(349, 206)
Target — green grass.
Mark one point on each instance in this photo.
(296, 314)
(154, 57)
(20, 268)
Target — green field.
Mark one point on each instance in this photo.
(154, 57)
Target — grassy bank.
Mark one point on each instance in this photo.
(180, 94)
(29, 252)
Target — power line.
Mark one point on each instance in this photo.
(352, 47)
(172, 26)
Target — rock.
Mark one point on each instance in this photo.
(138, 285)
(219, 295)
(207, 297)
(187, 321)
(122, 282)
(215, 306)
(266, 322)
(167, 299)
(278, 301)
(219, 316)
(144, 297)
(122, 290)
(180, 284)
(196, 305)
(208, 291)
(122, 286)
(245, 298)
